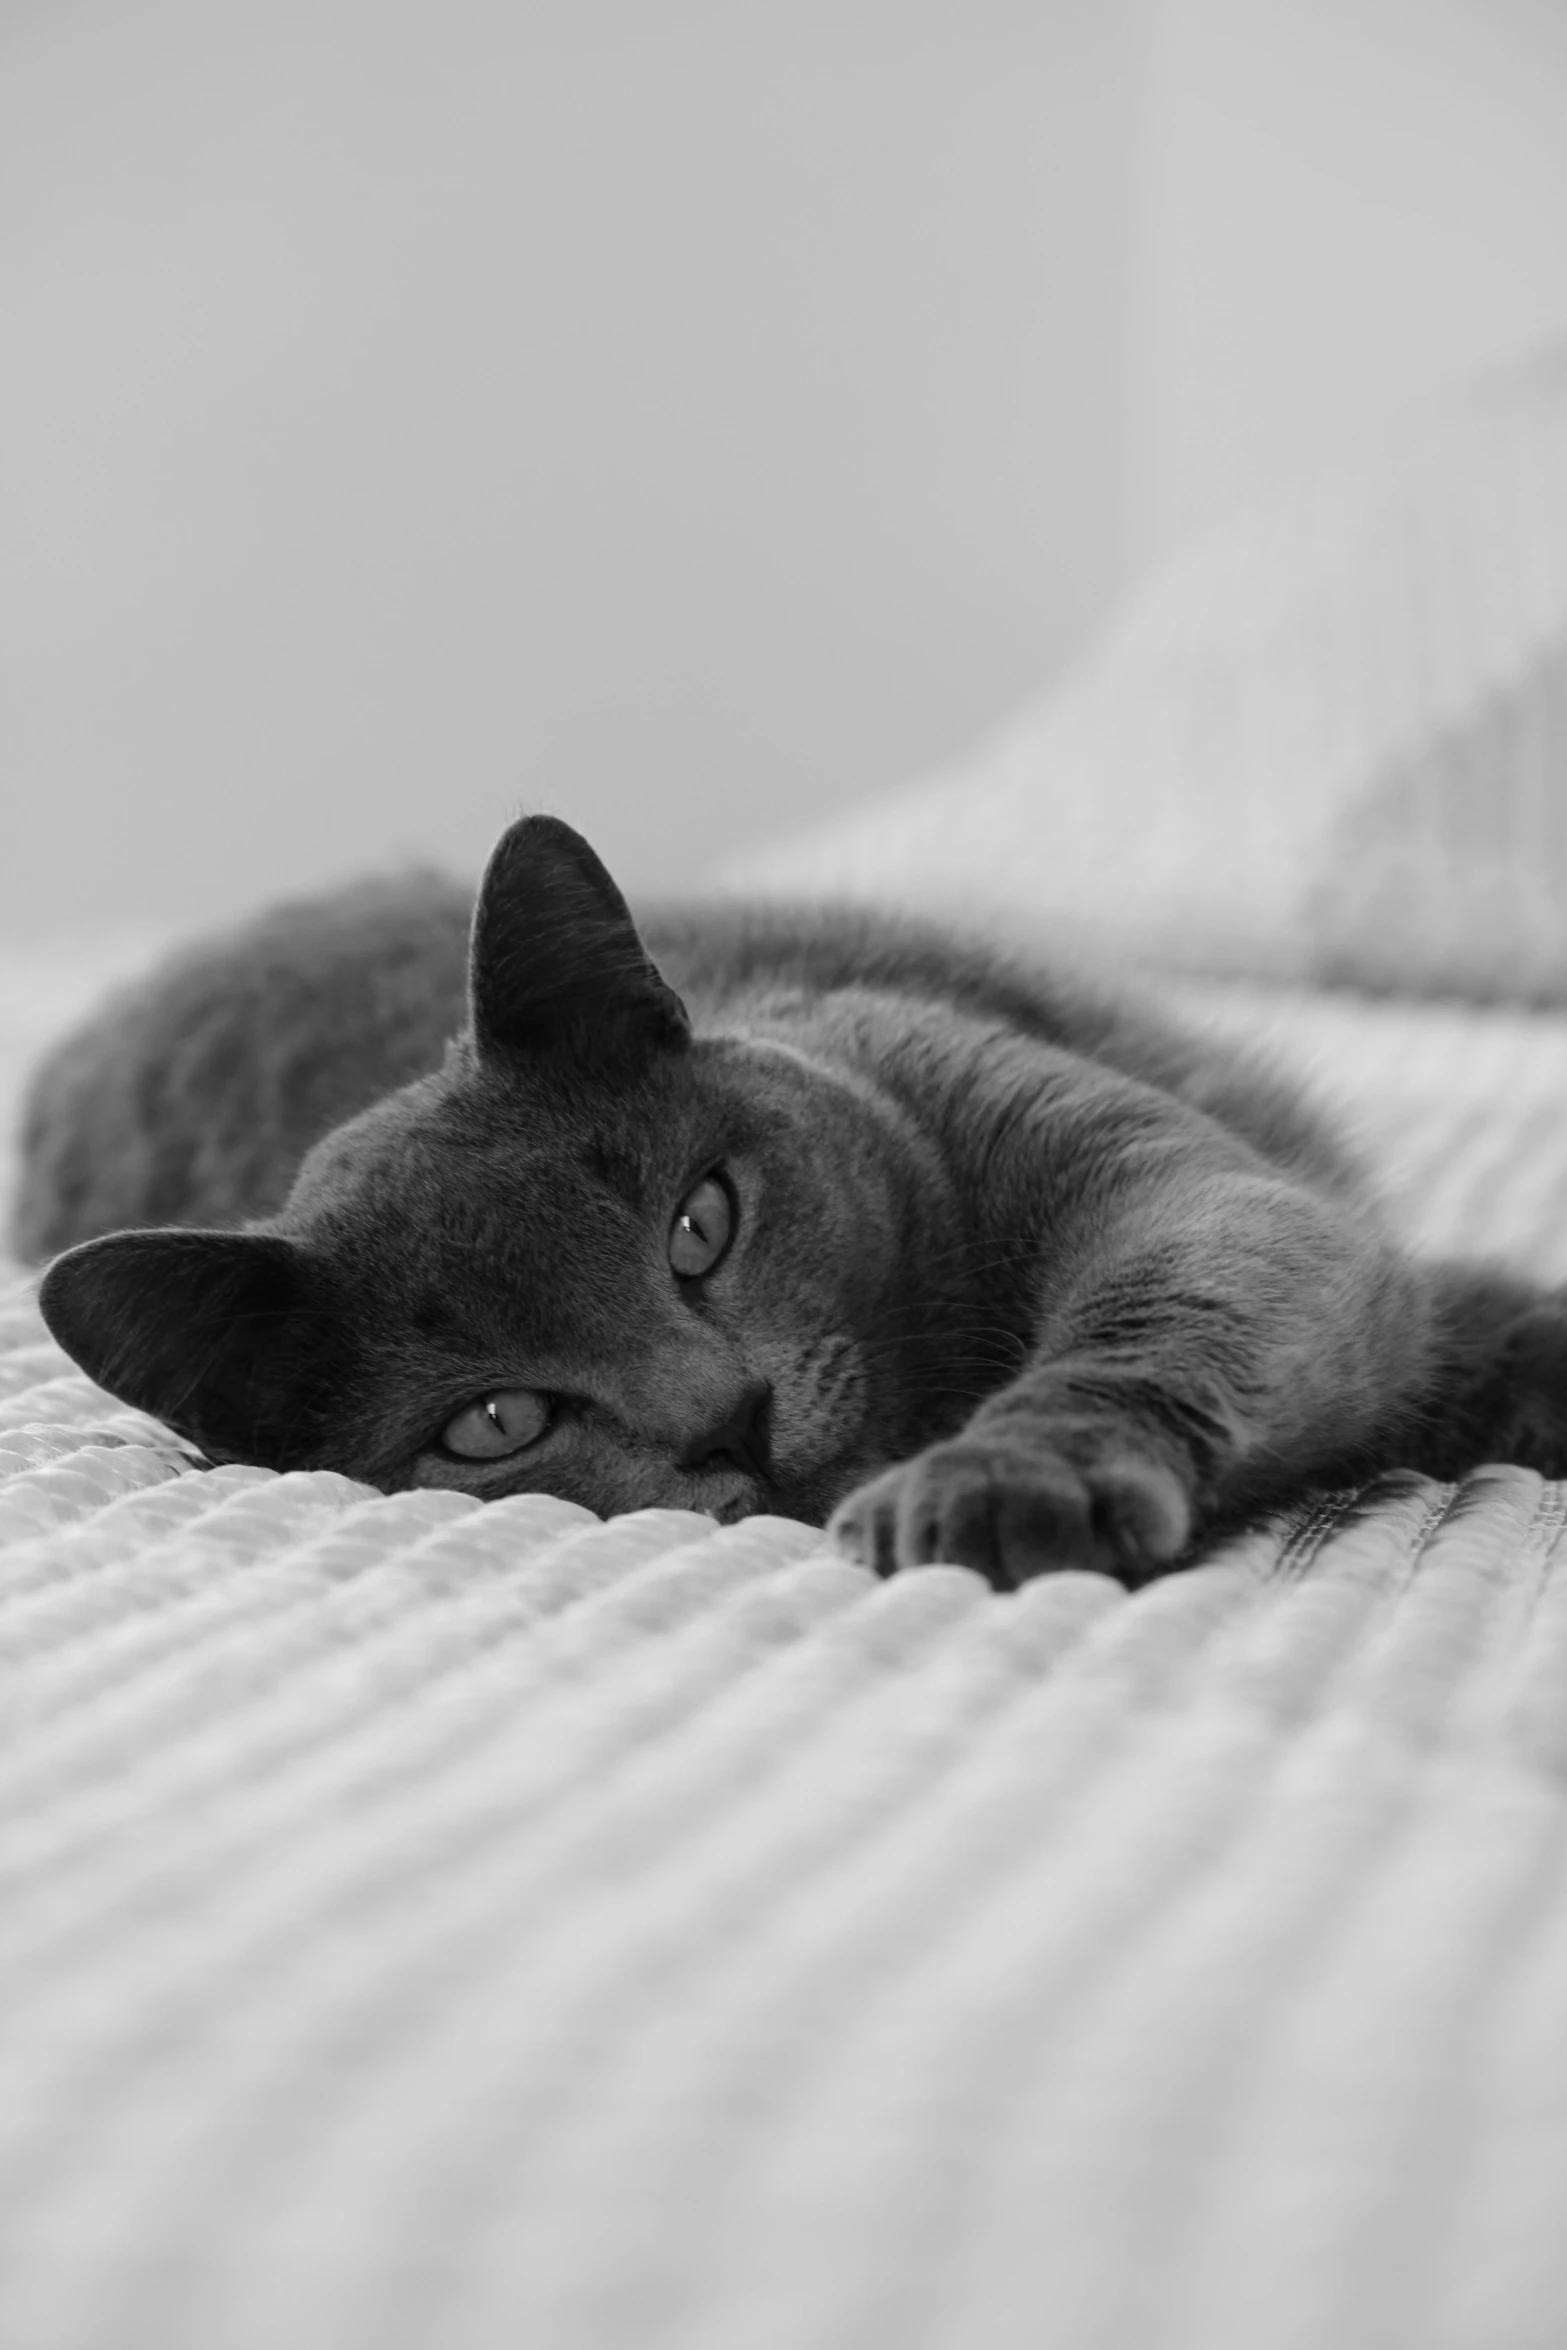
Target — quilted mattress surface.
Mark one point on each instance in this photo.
(427, 1924)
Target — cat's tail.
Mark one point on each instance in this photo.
(1497, 1383)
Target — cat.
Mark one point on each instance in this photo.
(753, 1209)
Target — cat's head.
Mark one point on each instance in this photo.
(596, 1255)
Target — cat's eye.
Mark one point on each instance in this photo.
(506, 1422)
(703, 1225)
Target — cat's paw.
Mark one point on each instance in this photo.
(1012, 1513)
(1529, 1406)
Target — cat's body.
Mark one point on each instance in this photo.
(811, 1213)
(192, 1095)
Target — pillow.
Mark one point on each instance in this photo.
(1327, 746)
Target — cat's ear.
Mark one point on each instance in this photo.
(556, 962)
(217, 1333)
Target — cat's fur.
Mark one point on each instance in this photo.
(1022, 1276)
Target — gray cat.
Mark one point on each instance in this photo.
(755, 1209)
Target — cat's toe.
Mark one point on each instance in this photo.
(1011, 1515)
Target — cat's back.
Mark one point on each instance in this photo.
(724, 953)
(726, 956)
(191, 1094)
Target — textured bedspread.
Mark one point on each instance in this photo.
(442, 1926)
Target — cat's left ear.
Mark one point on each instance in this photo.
(223, 1335)
(555, 960)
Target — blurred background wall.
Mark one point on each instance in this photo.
(676, 413)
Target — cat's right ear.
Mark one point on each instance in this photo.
(556, 962)
(219, 1334)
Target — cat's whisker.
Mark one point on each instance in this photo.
(924, 1339)
(982, 1253)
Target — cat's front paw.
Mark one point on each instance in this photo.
(1529, 1408)
(1012, 1513)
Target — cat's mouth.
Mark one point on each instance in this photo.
(738, 1506)
(740, 1452)
(810, 1498)
(744, 1485)
(736, 1495)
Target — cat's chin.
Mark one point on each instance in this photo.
(812, 1494)
(740, 1505)
(754, 1500)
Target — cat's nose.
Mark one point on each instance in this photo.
(740, 1436)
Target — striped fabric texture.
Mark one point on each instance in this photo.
(439, 1927)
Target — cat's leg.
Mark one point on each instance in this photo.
(1497, 1381)
(1211, 1340)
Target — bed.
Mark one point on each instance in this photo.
(428, 1924)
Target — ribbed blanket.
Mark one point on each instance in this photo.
(439, 1927)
